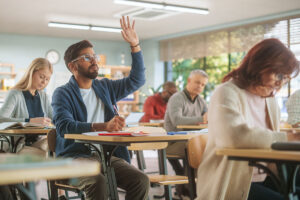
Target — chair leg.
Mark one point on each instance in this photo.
(53, 190)
(82, 196)
(140, 160)
(192, 183)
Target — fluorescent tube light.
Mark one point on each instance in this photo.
(164, 6)
(84, 27)
(140, 3)
(105, 29)
(71, 26)
(201, 11)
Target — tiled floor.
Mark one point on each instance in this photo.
(151, 166)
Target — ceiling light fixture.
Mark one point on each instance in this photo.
(105, 29)
(164, 6)
(84, 27)
(71, 26)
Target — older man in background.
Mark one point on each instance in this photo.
(185, 108)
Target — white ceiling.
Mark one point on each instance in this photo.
(31, 16)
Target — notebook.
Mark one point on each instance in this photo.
(116, 133)
(20, 125)
(286, 146)
(133, 119)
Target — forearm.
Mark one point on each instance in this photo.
(182, 120)
(10, 119)
(99, 126)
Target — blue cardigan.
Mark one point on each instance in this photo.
(70, 114)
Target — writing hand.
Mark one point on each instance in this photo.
(115, 124)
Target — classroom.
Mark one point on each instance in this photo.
(194, 99)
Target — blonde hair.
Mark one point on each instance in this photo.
(37, 64)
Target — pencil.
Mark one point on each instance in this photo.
(116, 110)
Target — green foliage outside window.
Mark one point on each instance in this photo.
(215, 66)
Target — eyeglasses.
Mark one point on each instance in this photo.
(88, 58)
(282, 79)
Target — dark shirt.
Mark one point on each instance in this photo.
(34, 108)
(186, 92)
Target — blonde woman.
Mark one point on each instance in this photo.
(27, 102)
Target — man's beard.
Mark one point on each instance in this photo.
(87, 74)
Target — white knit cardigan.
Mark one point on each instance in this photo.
(228, 126)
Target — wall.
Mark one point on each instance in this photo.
(154, 67)
(20, 50)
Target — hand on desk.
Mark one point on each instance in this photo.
(205, 118)
(41, 120)
(293, 136)
(297, 125)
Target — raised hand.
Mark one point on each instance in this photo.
(128, 32)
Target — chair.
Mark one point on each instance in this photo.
(194, 153)
(54, 186)
(155, 179)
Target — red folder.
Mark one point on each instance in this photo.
(122, 133)
(116, 133)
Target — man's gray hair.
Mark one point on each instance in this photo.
(198, 72)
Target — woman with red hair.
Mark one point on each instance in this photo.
(243, 113)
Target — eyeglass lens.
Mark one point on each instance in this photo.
(282, 77)
(89, 58)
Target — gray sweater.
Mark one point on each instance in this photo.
(181, 111)
(14, 108)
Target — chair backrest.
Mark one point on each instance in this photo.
(147, 146)
(51, 138)
(195, 150)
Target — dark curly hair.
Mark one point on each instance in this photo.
(73, 51)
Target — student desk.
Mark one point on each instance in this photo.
(287, 163)
(16, 169)
(109, 143)
(192, 127)
(153, 124)
(20, 132)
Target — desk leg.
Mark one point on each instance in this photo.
(164, 170)
(2, 139)
(287, 174)
(30, 192)
(106, 151)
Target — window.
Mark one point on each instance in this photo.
(220, 51)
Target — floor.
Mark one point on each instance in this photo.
(151, 166)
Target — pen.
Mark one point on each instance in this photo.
(116, 110)
(177, 133)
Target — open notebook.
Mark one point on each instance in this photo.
(133, 119)
(19, 125)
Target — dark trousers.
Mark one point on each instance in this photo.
(5, 193)
(133, 181)
(258, 191)
(267, 191)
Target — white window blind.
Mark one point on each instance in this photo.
(236, 39)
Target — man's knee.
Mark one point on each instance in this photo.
(95, 187)
(143, 181)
